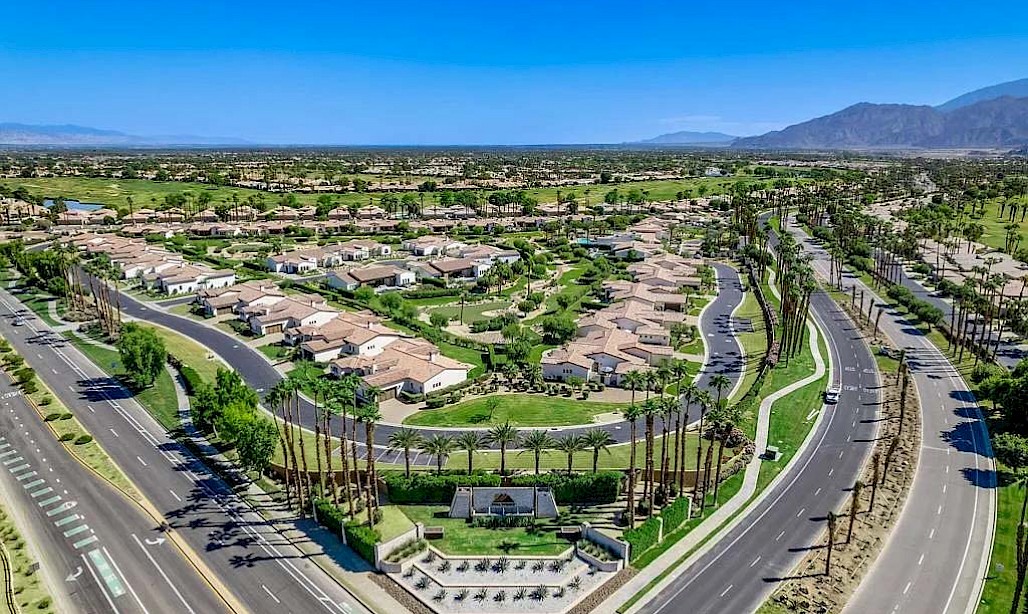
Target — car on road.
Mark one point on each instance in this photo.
(832, 395)
(19, 322)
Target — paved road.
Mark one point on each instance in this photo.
(100, 550)
(747, 564)
(261, 567)
(934, 560)
(725, 356)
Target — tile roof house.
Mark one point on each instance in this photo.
(289, 312)
(356, 334)
(429, 245)
(604, 355)
(413, 366)
(374, 275)
(232, 298)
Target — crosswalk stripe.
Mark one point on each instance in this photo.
(67, 505)
(11, 461)
(20, 467)
(34, 483)
(26, 475)
(41, 492)
(8, 453)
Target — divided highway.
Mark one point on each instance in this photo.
(747, 563)
(99, 550)
(936, 557)
(262, 569)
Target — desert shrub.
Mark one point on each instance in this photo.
(53, 416)
(83, 439)
(67, 437)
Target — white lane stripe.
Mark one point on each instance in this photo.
(82, 528)
(125, 579)
(270, 594)
(49, 501)
(26, 475)
(85, 542)
(102, 586)
(177, 498)
(66, 520)
(164, 575)
(40, 492)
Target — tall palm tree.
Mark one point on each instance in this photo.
(633, 380)
(470, 442)
(405, 439)
(536, 442)
(703, 398)
(275, 398)
(631, 414)
(650, 409)
(570, 445)
(830, 544)
(728, 417)
(505, 435)
(294, 385)
(369, 414)
(352, 383)
(719, 382)
(598, 439)
(688, 396)
(440, 446)
(318, 388)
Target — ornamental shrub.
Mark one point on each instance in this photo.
(432, 488)
(675, 514)
(362, 539)
(643, 537)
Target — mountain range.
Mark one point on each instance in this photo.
(69, 135)
(686, 137)
(989, 118)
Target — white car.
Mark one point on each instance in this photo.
(832, 395)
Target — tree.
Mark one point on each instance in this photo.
(438, 320)
(830, 544)
(536, 442)
(570, 445)
(142, 354)
(504, 435)
(719, 382)
(631, 414)
(255, 443)
(369, 414)
(858, 487)
(470, 442)
(405, 439)
(559, 329)
(598, 439)
(1012, 451)
(441, 447)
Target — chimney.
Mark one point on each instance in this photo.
(432, 355)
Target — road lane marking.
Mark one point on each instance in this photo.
(26, 475)
(8, 453)
(21, 467)
(921, 560)
(938, 511)
(817, 492)
(140, 459)
(755, 561)
(92, 539)
(931, 534)
(725, 592)
(164, 575)
(800, 513)
(66, 520)
(780, 536)
(82, 528)
(11, 461)
(64, 507)
(177, 498)
(906, 588)
(99, 583)
(49, 500)
(40, 492)
(270, 594)
(113, 432)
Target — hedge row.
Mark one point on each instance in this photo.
(330, 516)
(362, 539)
(675, 514)
(601, 487)
(432, 488)
(643, 537)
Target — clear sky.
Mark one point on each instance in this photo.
(489, 72)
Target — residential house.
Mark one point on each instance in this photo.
(412, 366)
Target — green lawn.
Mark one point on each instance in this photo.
(472, 312)
(159, 399)
(275, 351)
(37, 303)
(462, 538)
(754, 344)
(190, 352)
(465, 355)
(519, 409)
(393, 523)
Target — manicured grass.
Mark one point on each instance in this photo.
(37, 303)
(275, 351)
(519, 409)
(159, 399)
(465, 355)
(190, 352)
(462, 538)
(393, 523)
(999, 585)
(995, 234)
(754, 344)
(472, 312)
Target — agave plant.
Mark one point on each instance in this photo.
(409, 573)
(556, 566)
(444, 566)
(558, 592)
(500, 596)
(481, 594)
(521, 564)
(462, 594)
(502, 564)
(483, 565)
(439, 596)
(422, 583)
(540, 592)
(538, 565)
(464, 566)
(520, 593)
(575, 583)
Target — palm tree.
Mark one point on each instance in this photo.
(405, 439)
(631, 414)
(570, 445)
(294, 384)
(319, 389)
(688, 396)
(536, 442)
(728, 417)
(440, 446)
(352, 384)
(719, 382)
(858, 487)
(703, 398)
(470, 442)
(275, 398)
(369, 414)
(650, 409)
(504, 435)
(598, 439)
(633, 380)
(830, 544)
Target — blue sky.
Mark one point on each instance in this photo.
(489, 72)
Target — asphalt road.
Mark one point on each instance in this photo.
(265, 571)
(100, 550)
(747, 564)
(725, 356)
(934, 561)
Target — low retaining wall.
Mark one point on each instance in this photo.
(613, 544)
(615, 565)
(384, 549)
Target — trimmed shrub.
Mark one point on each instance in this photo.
(362, 539)
(601, 487)
(67, 437)
(643, 537)
(190, 378)
(52, 417)
(83, 439)
(502, 522)
(675, 514)
(431, 488)
(329, 516)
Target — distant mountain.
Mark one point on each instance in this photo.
(999, 122)
(686, 137)
(1016, 89)
(81, 136)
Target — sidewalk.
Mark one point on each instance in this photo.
(320, 546)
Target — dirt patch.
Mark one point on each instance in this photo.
(809, 589)
(398, 593)
(598, 596)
